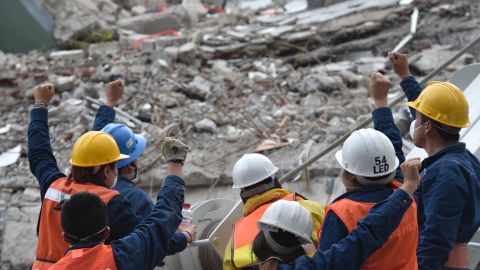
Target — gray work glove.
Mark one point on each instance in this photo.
(174, 150)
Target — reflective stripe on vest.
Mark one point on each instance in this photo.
(51, 247)
(97, 257)
(244, 232)
(458, 257)
(400, 250)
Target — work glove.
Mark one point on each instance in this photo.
(174, 150)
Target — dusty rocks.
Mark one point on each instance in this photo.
(223, 87)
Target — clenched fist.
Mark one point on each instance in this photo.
(379, 87)
(400, 64)
(44, 93)
(114, 91)
(411, 177)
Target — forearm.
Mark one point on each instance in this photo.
(42, 162)
(370, 235)
(150, 241)
(412, 90)
(105, 115)
(383, 121)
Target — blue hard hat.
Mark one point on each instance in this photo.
(129, 143)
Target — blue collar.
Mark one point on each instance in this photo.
(459, 147)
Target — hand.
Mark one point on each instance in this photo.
(411, 177)
(114, 91)
(44, 93)
(190, 231)
(400, 64)
(174, 150)
(309, 248)
(379, 86)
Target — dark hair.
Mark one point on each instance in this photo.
(263, 251)
(86, 175)
(83, 215)
(266, 182)
(447, 133)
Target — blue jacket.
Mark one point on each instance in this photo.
(140, 202)
(371, 233)
(143, 247)
(333, 229)
(43, 165)
(448, 198)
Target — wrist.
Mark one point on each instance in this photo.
(110, 103)
(408, 187)
(188, 236)
(380, 103)
(40, 104)
(403, 76)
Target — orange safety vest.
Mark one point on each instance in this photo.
(244, 232)
(51, 247)
(99, 257)
(400, 250)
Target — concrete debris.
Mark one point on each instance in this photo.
(222, 82)
(205, 125)
(67, 55)
(11, 156)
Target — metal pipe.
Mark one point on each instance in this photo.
(365, 123)
(199, 243)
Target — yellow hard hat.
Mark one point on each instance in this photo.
(444, 103)
(95, 148)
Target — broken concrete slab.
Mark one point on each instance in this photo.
(67, 55)
(104, 49)
(150, 23)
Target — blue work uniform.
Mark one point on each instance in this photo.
(141, 203)
(448, 198)
(43, 165)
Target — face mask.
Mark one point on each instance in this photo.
(114, 182)
(413, 128)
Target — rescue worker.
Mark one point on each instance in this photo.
(370, 161)
(133, 145)
(254, 175)
(285, 227)
(84, 221)
(94, 158)
(348, 254)
(449, 196)
(369, 164)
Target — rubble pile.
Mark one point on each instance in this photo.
(283, 83)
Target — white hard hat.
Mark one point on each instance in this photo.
(252, 169)
(368, 153)
(289, 216)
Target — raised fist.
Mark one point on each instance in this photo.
(379, 87)
(400, 64)
(44, 93)
(114, 91)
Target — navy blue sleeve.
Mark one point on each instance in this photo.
(370, 235)
(149, 242)
(412, 90)
(443, 197)
(121, 219)
(105, 115)
(178, 243)
(383, 122)
(333, 230)
(40, 155)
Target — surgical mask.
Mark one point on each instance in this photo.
(114, 182)
(413, 128)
